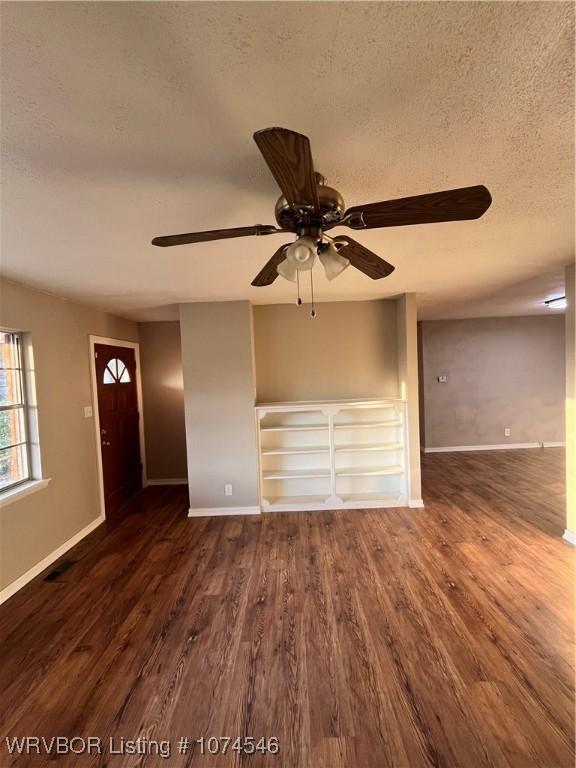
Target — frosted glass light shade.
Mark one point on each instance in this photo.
(287, 270)
(300, 257)
(334, 264)
(302, 253)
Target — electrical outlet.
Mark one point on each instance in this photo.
(228, 489)
(507, 432)
(442, 379)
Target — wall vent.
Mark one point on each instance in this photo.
(61, 568)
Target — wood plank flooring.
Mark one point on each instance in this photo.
(403, 638)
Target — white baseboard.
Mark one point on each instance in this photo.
(415, 503)
(167, 481)
(21, 581)
(498, 447)
(570, 537)
(217, 511)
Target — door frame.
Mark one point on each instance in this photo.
(135, 345)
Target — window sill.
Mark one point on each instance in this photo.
(20, 491)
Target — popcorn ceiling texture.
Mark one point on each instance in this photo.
(122, 121)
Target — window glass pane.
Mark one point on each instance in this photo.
(9, 351)
(12, 429)
(13, 466)
(115, 371)
(10, 387)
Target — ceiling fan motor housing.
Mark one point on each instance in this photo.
(293, 218)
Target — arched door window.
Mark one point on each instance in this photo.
(115, 372)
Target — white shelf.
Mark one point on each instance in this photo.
(370, 498)
(320, 405)
(295, 428)
(294, 438)
(369, 424)
(377, 406)
(295, 451)
(369, 471)
(272, 502)
(368, 447)
(294, 474)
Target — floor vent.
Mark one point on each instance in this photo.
(61, 568)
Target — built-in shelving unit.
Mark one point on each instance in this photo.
(332, 455)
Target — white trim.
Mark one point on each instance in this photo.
(135, 345)
(570, 537)
(21, 581)
(217, 511)
(167, 481)
(499, 447)
(21, 491)
(416, 503)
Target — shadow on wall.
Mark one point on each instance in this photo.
(163, 400)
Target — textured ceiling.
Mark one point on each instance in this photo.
(122, 121)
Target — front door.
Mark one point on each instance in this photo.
(119, 424)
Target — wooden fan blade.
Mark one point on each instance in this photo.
(269, 271)
(214, 234)
(363, 259)
(450, 205)
(288, 156)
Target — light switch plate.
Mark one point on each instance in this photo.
(87, 411)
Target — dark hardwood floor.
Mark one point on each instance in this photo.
(405, 638)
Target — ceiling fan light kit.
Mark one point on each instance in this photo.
(302, 253)
(334, 264)
(308, 208)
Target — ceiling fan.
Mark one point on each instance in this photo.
(309, 208)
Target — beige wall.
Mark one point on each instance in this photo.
(219, 395)
(348, 351)
(570, 333)
(33, 527)
(502, 372)
(163, 396)
(408, 386)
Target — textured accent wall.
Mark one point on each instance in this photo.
(163, 399)
(349, 350)
(501, 372)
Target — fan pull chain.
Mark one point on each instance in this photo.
(312, 307)
(299, 299)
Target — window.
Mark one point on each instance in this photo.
(14, 445)
(115, 372)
